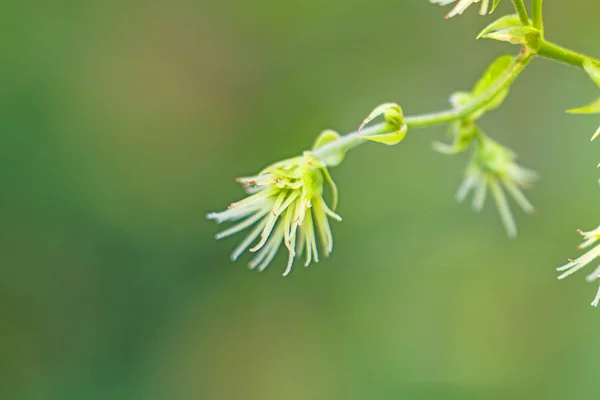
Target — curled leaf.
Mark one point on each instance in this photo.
(394, 118)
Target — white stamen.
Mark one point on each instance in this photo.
(243, 225)
(505, 214)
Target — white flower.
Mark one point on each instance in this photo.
(285, 206)
(462, 5)
(493, 166)
(575, 265)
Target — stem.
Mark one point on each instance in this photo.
(354, 139)
(559, 53)
(522, 11)
(538, 21)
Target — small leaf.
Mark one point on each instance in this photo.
(593, 108)
(508, 21)
(388, 110)
(389, 139)
(392, 113)
(523, 35)
(593, 71)
(494, 72)
(326, 137)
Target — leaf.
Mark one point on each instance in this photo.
(523, 35)
(392, 113)
(593, 108)
(508, 21)
(389, 139)
(494, 72)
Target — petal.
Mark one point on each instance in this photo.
(243, 225)
(518, 195)
(270, 223)
(267, 253)
(465, 187)
(505, 214)
(248, 240)
(309, 237)
(322, 225)
(480, 194)
(596, 299)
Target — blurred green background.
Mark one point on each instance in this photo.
(125, 122)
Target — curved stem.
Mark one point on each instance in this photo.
(354, 139)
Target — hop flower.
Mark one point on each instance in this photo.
(285, 205)
(462, 5)
(494, 166)
(575, 265)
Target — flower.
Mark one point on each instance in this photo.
(492, 165)
(575, 265)
(285, 205)
(462, 5)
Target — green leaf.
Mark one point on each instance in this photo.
(392, 113)
(508, 21)
(496, 70)
(523, 35)
(593, 71)
(389, 139)
(593, 108)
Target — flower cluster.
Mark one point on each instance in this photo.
(462, 5)
(493, 166)
(286, 206)
(575, 265)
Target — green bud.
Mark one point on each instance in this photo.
(394, 118)
(326, 137)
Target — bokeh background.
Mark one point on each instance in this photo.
(125, 122)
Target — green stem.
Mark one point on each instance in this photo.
(354, 139)
(559, 53)
(536, 10)
(522, 11)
